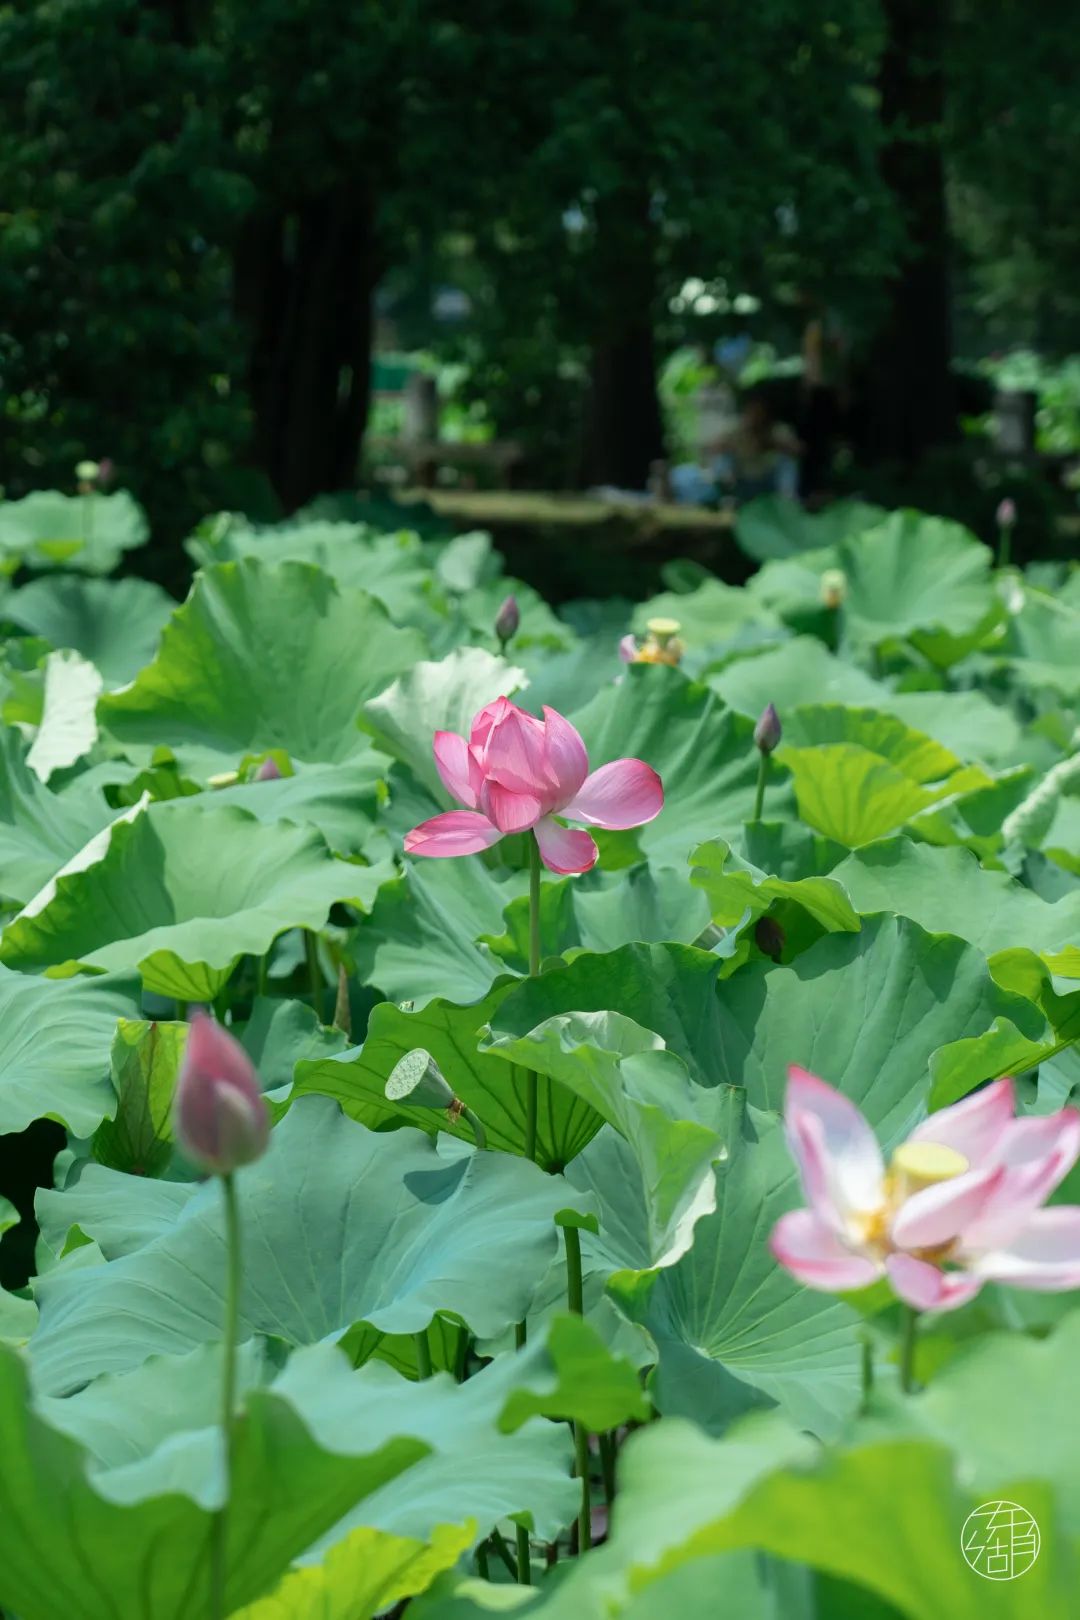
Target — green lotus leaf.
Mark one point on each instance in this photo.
(913, 572)
(89, 533)
(770, 526)
(45, 1072)
(179, 893)
(377, 1229)
(66, 724)
(258, 657)
(361, 1576)
(342, 801)
(40, 830)
(712, 613)
(115, 624)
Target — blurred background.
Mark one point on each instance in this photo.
(510, 265)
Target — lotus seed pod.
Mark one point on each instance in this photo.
(416, 1079)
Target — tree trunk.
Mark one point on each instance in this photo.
(304, 283)
(624, 429)
(910, 398)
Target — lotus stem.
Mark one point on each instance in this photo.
(575, 1297)
(423, 1354)
(219, 1529)
(762, 773)
(315, 978)
(531, 1081)
(524, 1557)
(909, 1339)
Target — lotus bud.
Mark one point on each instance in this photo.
(833, 587)
(768, 731)
(1006, 513)
(220, 1117)
(267, 772)
(507, 621)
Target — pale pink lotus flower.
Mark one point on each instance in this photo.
(958, 1205)
(1006, 512)
(220, 1117)
(516, 774)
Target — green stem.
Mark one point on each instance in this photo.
(608, 1453)
(423, 1354)
(762, 773)
(867, 1370)
(521, 1335)
(1003, 545)
(315, 978)
(475, 1126)
(524, 1565)
(218, 1560)
(575, 1298)
(910, 1333)
(262, 974)
(498, 1541)
(481, 1561)
(531, 1081)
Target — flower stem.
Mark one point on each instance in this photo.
(575, 1298)
(867, 1363)
(311, 951)
(762, 773)
(910, 1331)
(218, 1562)
(531, 1080)
(1003, 545)
(524, 1566)
(423, 1354)
(262, 972)
(608, 1454)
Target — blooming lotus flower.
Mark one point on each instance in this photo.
(662, 645)
(516, 774)
(220, 1118)
(958, 1205)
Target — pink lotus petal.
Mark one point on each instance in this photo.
(565, 850)
(927, 1287)
(940, 1213)
(515, 753)
(511, 812)
(1045, 1256)
(1035, 1156)
(626, 793)
(812, 1252)
(457, 832)
(485, 718)
(461, 775)
(848, 1150)
(628, 649)
(971, 1127)
(567, 758)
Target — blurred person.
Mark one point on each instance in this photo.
(759, 456)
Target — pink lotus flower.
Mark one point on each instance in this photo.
(220, 1118)
(957, 1206)
(516, 773)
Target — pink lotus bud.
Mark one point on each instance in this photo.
(106, 472)
(220, 1118)
(267, 772)
(628, 649)
(1006, 513)
(768, 731)
(507, 620)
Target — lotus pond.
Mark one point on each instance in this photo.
(564, 1114)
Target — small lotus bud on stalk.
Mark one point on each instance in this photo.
(767, 734)
(268, 771)
(768, 731)
(416, 1079)
(833, 587)
(221, 1122)
(507, 621)
(1006, 522)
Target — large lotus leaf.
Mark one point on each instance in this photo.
(433, 697)
(132, 1542)
(828, 724)
(493, 1088)
(145, 1063)
(714, 612)
(946, 890)
(1040, 648)
(873, 1013)
(181, 892)
(64, 717)
(89, 533)
(705, 757)
(854, 796)
(363, 1575)
(770, 526)
(915, 572)
(259, 657)
(966, 722)
(568, 1372)
(801, 671)
(425, 936)
(55, 1038)
(341, 1226)
(733, 1329)
(736, 890)
(40, 830)
(113, 623)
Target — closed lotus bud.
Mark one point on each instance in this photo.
(833, 587)
(220, 1117)
(267, 772)
(1006, 513)
(768, 731)
(507, 620)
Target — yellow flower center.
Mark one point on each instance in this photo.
(913, 1167)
